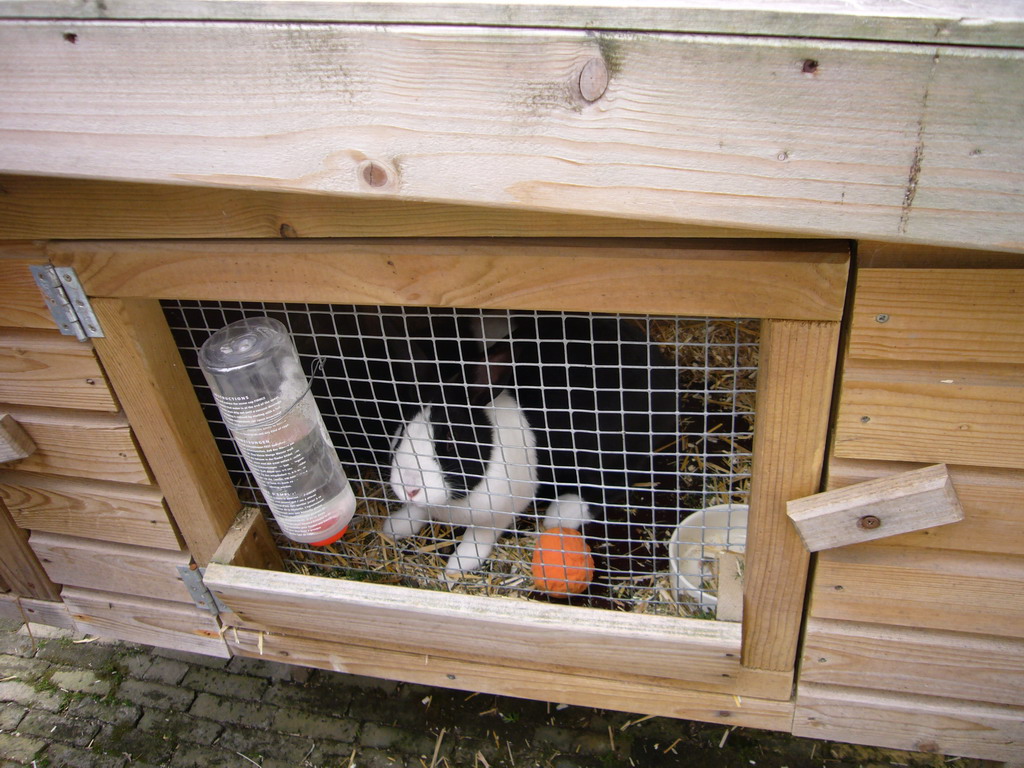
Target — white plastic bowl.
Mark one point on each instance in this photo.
(696, 544)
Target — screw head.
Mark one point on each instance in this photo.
(881, 318)
(869, 523)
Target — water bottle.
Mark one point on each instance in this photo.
(264, 398)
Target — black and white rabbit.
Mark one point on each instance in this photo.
(562, 410)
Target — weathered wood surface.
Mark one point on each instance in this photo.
(797, 363)
(47, 369)
(142, 361)
(249, 542)
(112, 567)
(50, 612)
(92, 509)
(993, 502)
(916, 723)
(994, 22)
(950, 315)
(921, 498)
(15, 444)
(79, 209)
(516, 632)
(477, 676)
(931, 589)
(852, 139)
(97, 446)
(912, 660)
(21, 303)
(794, 280)
(20, 569)
(956, 413)
(162, 623)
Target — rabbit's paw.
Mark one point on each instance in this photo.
(567, 511)
(407, 521)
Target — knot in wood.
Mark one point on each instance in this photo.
(593, 79)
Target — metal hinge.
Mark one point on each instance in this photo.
(201, 596)
(67, 301)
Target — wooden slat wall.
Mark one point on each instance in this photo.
(100, 526)
(916, 641)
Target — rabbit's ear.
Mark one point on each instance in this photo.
(489, 376)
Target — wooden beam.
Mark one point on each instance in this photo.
(996, 22)
(19, 567)
(795, 279)
(144, 366)
(852, 139)
(527, 634)
(922, 498)
(630, 695)
(90, 209)
(794, 392)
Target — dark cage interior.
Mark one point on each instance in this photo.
(467, 433)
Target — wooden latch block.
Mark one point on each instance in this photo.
(15, 442)
(910, 501)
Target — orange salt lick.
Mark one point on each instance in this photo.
(562, 563)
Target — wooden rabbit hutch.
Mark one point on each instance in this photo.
(842, 183)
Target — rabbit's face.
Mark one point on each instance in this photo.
(416, 474)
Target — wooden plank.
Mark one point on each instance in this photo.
(932, 412)
(528, 634)
(112, 567)
(912, 660)
(950, 21)
(993, 502)
(462, 674)
(921, 498)
(92, 509)
(931, 589)
(162, 623)
(248, 541)
(917, 723)
(15, 444)
(671, 139)
(96, 446)
(879, 255)
(795, 279)
(794, 391)
(19, 567)
(142, 361)
(948, 315)
(46, 369)
(90, 209)
(25, 609)
(21, 303)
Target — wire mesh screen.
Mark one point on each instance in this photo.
(468, 434)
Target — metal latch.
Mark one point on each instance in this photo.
(67, 301)
(201, 596)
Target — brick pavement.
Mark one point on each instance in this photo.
(64, 702)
